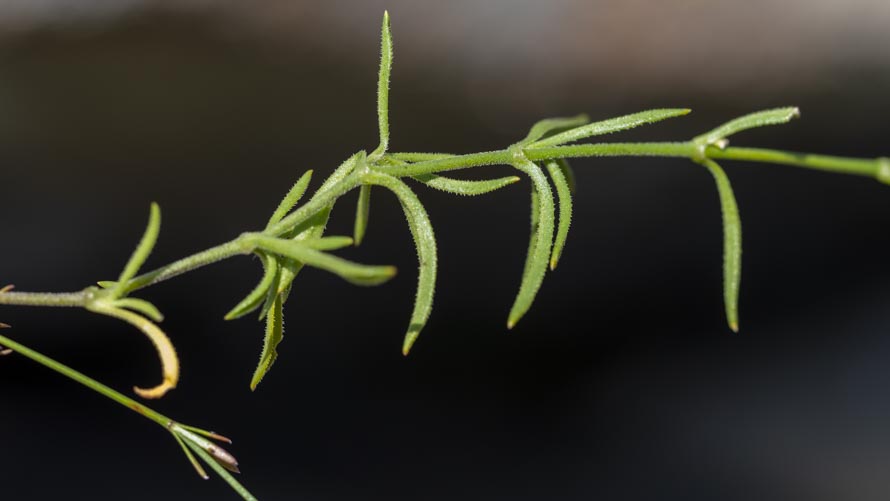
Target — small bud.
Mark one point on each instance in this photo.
(223, 457)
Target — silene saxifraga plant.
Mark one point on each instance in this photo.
(294, 236)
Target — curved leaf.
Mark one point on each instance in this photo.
(255, 298)
(425, 242)
(290, 199)
(358, 274)
(732, 244)
(564, 196)
(550, 126)
(146, 244)
(541, 240)
(465, 187)
(758, 119)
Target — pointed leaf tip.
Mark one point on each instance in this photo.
(734, 326)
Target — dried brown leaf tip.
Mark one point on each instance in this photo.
(6, 288)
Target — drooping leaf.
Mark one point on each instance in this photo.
(758, 119)
(383, 86)
(465, 187)
(732, 244)
(291, 199)
(542, 240)
(274, 336)
(358, 274)
(564, 196)
(146, 244)
(609, 126)
(256, 297)
(362, 212)
(425, 242)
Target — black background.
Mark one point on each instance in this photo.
(621, 383)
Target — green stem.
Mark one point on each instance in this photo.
(86, 381)
(186, 264)
(843, 165)
(71, 299)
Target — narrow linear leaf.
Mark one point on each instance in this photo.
(425, 242)
(106, 284)
(383, 86)
(146, 244)
(141, 306)
(311, 229)
(362, 212)
(465, 187)
(222, 472)
(359, 274)
(255, 298)
(564, 196)
(534, 223)
(418, 157)
(774, 116)
(274, 336)
(542, 239)
(188, 454)
(609, 126)
(291, 199)
(568, 173)
(732, 244)
(551, 126)
(330, 243)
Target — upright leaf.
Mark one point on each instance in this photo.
(146, 244)
(383, 86)
(758, 119)
(608, 126)
(255, 298)
(551, 126)
(732, 244)
(425, 242)
(291, 199)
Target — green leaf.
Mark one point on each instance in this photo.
(312, 228)
(418, 157)
(465, 187)
(141, 306)
(732, 244)
(425, 242)
(542, 239)
(568, 173)
(274, 336)
(146, 244)
(362, 212)
(608, 126)
(758, 119)
(550, 126)
(564, 196)
(188, 454)
(330, 243)
(291, 199)
(255, 298)
(358, 274)
(383, 86)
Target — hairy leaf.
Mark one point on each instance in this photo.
(358, 274)
(609, 126)
(542, 239)
(362, 212)
(274, 336)
(564, 196)
(465, 187)
(551, 126)
(732, 244)
(383, 86)
(425, 242)
(291, 199)
(146, 244)
(255, 298)
(758, 119)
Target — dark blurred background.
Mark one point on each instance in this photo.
(621, 383)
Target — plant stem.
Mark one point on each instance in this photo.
(86, 381)
(195, 261)
(70, 299)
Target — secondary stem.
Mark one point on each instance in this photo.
(86, 381)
